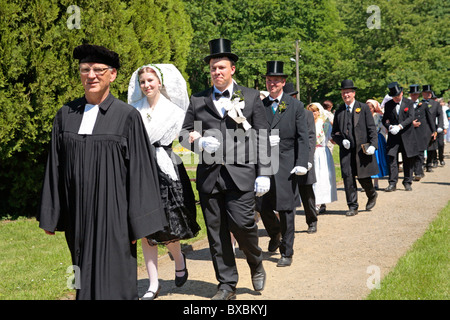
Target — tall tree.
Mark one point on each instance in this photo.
(38, 73)
(267, 30)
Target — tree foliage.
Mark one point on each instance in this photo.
(38, 73)
(337, 41)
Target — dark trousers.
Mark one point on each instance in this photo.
(308, 202)
(441, 144)
(351, 190)
(431, 158)
(227, 209)
(419, 161)
(285, 226)
(408, 165)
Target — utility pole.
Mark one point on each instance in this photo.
(297, 50)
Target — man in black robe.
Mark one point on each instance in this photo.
(101, 185)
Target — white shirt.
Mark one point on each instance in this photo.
(350, 107)
(220, 103)
(275, 104)
(89, 118)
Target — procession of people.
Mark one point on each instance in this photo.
(112, 178)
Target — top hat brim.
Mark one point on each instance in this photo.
(348, 87)
(229, 55)
(274, 74)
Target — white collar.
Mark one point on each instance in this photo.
(229, 88)
(278, 98)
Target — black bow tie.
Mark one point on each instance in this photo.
(225, 94)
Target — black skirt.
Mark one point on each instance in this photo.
(179, 205)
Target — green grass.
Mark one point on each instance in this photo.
(423, 272)
(32, 264)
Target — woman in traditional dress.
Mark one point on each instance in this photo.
(325, 187)
(380, 153)
(159, 93)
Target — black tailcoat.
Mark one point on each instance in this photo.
(407, 135)
(364, 131)
(293, 149)
(426, 128)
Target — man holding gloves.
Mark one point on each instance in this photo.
(289, 141)
(397, 118)
(220, 124)
(355, 132)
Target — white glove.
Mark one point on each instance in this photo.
(262, 185)
(274, 140)
(346, 144)
(439, 130)
(300, 171)
(209, 144)
(309, 166)
(370, 150)
(394, 129)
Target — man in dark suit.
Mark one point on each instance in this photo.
(424, 128)
(289, 136)
(226, 124)
(397, 118)
(305, 182)
(353, 127)
(436, 114)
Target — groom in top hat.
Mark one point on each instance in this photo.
(289, 135)
(220, 123)
(397, 118)
(353, 127)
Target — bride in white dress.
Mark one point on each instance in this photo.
(325, 186)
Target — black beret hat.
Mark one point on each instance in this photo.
(98, 54)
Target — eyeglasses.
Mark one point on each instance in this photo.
(97, 71)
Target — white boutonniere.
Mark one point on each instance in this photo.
(235, 107)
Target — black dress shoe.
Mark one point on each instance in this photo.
(312, 228)
(274, 243)
(179, 281)
(223, 294)
(284, 261)
(351, 212)
(418, 177)
(407, 187)
(150, 295)
(371, 202)
(429, 169)
(442, 163)
(259, 280)
(390, 188)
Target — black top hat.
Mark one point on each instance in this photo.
(394, 89)
(98, 54)
(426, 88)
(275, 69)
(414, 88)
(289, 89)
(220, 48)
(347, 84)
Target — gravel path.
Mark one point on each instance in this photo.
(334, 263)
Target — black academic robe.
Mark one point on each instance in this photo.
(102, 190)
